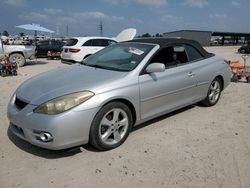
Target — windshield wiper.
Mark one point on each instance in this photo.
(96, 66)
(102, 67)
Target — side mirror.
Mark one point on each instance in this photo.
(155, 67)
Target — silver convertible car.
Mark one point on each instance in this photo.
(101, 99)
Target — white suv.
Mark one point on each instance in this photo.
(78, 48)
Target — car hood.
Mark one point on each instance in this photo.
(62, 81)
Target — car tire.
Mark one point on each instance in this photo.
(243, 51)
(17, 58)
(111, 126)
(214, 92)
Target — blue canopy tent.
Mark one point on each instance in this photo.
(35, 27)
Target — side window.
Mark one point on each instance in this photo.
(43, 43)
(193, 53)
(100, 42)
(165, 56)
(171, 56)
(111, 42)
(180, 55)
(88, 43)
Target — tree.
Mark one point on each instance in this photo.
(22, 34)
(5, 33)
(146, 35)
(158, 35)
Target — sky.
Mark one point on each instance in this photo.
(82, 18)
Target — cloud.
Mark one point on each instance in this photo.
(85, 22)
(53, 11)
(235, 3)
(148, 3)
(218, 16)
(34, 17)
(172, 19)
(14, 2)
(97, 16)
(58, 15)
(196, 3)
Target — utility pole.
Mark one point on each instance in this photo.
(67, 30)
(101, 28)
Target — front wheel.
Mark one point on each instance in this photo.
(243, 51)
(214, 92)
(18, 59)
(111, 126)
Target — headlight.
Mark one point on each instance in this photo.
(63, 103)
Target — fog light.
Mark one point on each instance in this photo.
(45, 137)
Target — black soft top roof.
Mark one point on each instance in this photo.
(164, 42)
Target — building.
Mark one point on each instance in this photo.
(207, 38)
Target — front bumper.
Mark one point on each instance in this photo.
(68, 129)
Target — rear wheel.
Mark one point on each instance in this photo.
(111, 126)
(214, 92)
(18, 59)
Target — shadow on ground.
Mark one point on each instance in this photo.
(34, 62)
(51, 154)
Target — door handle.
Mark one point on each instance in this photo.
(191, 74)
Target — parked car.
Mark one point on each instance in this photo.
(79, 48)
(43, 46)
(17, 53)
(113, 90)
(244, 49)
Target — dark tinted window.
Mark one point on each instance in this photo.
(71, 42)
(180, 55)
(45, 42)
(171, 56)
(88, 43)
(57, 42)
(193, 53)
(100, 42)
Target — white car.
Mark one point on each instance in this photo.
(78, 48)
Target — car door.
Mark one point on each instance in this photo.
(202, 68)
(92, 46)
(43, 47)
(162, 92)
(248, 48)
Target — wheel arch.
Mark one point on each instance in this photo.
(222, 81)
(17, 52)
(126, 102)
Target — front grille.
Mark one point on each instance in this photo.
(20, 104)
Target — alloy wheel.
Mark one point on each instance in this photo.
(113, 126)
(214, 92)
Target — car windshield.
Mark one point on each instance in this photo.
(119, 57)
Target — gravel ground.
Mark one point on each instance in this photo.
(193, 147)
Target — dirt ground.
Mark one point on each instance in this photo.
(193, 147)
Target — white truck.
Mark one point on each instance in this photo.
(17, 53)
